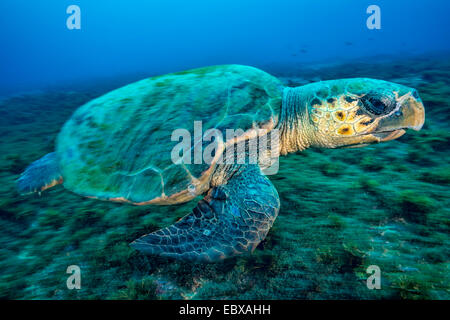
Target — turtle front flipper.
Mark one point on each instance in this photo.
(40, 175)
(232, 219)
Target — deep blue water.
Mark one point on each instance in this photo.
(151, 37)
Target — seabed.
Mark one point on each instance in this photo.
(341, 211)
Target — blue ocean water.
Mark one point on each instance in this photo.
(154, 37)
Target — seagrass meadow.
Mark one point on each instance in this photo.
(341, 211)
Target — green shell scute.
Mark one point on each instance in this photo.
(119, 145)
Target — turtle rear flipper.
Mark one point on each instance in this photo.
(232, 219)
(40, 175)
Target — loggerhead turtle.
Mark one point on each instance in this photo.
(120, 147)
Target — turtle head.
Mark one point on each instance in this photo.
(358, 112)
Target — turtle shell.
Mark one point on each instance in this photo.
(118, 147)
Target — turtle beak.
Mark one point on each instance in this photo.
(409, 114)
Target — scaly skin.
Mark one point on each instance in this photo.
(105, 149)
(347, 113)
(231, 220)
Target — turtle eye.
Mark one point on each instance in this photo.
(376, 104)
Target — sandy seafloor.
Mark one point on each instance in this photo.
(342, 210)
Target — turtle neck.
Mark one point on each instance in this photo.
(293, 131)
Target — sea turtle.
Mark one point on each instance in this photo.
(137, 145)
